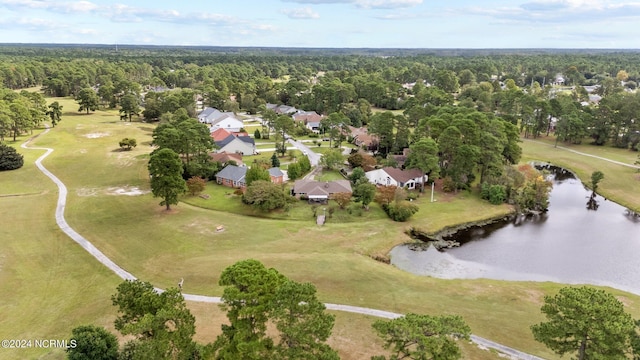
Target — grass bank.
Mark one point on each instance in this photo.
(621, 183)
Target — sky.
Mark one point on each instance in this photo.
(575, 24)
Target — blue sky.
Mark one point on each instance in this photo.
(327, 23)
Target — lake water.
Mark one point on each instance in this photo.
(569, 244)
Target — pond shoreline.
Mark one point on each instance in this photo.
(437, 238)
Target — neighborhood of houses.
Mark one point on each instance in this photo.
(233, 143)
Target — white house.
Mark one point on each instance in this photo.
(387, 176)
(217, 119)
(244, 145)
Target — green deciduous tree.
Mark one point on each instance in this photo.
(423, 337)
(10, 159)
(165, 170)
(587, 322)
(400, 210)
(332, 159)
(255, 173)
(92, 343)
(365, 193)
(294, 171)
(265, 195)
(305, 164)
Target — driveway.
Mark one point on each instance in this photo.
(314, 158)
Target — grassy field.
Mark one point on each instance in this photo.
(621, 184)
(49, 285)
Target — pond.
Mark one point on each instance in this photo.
(569, 244)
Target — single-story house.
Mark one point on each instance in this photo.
(220, 134)
(277, 176)
(401, 178)
(281, 109)
(313, 126)
(401, 159)
(320, 191)
(307, 116)
(217, 119)
(232, 176)
(225, 157)
(361, 136)
(244, 145)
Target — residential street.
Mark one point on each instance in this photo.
(314, 158)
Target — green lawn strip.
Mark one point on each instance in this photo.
(49, 285)
(606, 151)
(330, 175)
(621, 184)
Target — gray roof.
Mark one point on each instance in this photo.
(206, 112)
(247, 139)
(312, 187)
(275, 172)
(232, 172)
(222, 143)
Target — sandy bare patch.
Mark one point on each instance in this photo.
(205, 228)
(82, 151)
(122, 158)
(96, 135)
(126, 190)
(87, 192)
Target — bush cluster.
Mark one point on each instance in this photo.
(10, 159)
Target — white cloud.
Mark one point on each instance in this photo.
(364, 4)
(558, 11)
(318, 2)
(301, 13)
(387, 4)
(56, 6)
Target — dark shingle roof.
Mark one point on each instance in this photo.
(232, 172)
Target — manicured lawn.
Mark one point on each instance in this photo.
(329, 175)
(50, 285)
(621, 184)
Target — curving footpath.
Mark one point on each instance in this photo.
(125, 275)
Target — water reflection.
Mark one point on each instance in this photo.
(568, 244)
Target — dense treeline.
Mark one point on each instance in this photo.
(462, 111)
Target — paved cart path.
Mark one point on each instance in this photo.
(125, 275)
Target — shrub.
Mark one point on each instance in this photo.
(196, 185)
(10, 159)
(448, 185)
(497, 194)
(294, 171)
(400, 210)
(127, 144)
